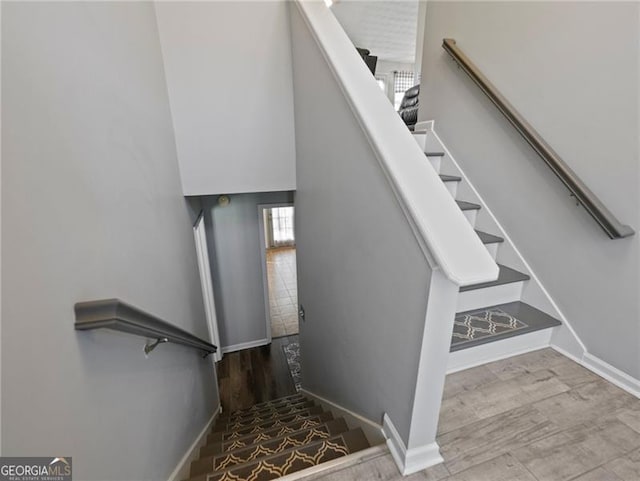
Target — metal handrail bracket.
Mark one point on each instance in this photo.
(583, 195)
(118, 316)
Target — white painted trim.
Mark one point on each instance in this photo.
(430, 125)
(605, 370)
(443, 234)
(182, 469)
(245, 345)
(413, 460)
(495, 351)
(208, 298)
(372, 430)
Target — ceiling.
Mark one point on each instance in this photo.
(387, 28)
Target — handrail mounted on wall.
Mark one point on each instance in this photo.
(118, 316)
(583, 195)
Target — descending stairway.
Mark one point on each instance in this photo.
(490, 311)
(273, 439)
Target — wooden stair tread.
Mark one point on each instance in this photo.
(505, 276)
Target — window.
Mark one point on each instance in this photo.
(282, 225)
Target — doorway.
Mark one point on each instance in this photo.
(281, 286)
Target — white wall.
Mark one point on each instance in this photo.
(233, 237)
(92, 208)
(572, 70)
(228, 67)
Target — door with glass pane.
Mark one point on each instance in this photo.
(280, 229)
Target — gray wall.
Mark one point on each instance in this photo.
(228, 67)
(233, 237)
(92, 208)
(572, 71)
(362, 277)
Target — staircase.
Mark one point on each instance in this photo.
(491, 311)
(273, 439)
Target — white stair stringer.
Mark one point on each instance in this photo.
(531, 291)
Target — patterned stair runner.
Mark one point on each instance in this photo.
(274, 439)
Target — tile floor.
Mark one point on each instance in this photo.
(534, 417)
(283, 291)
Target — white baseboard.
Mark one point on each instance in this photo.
(371, 429)
(409, 461)
(182, 469)
(606, 371)
(495, 351)
(245, 345)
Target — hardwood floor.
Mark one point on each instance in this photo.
(534, 417)
(254, 375)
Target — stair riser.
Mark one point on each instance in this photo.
(471, 216)
(436, 162)
(489, 296)
(421, 139)
(494, 351)
(493, 249)
(452, 187)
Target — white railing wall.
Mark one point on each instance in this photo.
(454, 254)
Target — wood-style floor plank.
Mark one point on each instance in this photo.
(534, 417)
(256, 375)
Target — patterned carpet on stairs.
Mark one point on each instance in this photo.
(292, 353)
(470, 326)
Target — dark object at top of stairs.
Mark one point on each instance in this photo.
(409, 106)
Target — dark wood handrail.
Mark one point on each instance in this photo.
(118, 316)
(583, 195)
